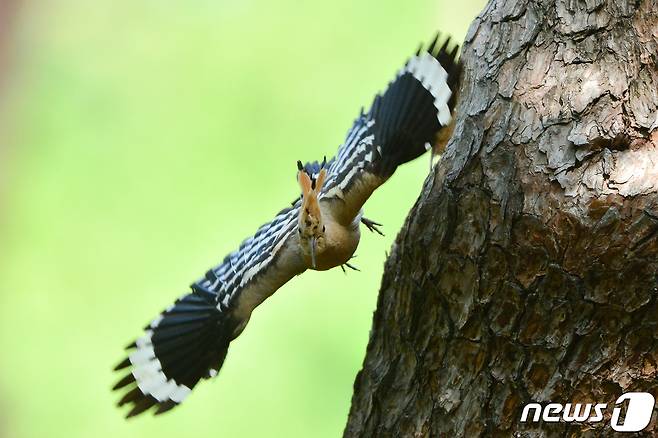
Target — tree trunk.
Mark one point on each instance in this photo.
(527, 271)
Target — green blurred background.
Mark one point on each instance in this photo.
(142, 141)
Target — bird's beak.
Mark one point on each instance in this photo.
(312, 243)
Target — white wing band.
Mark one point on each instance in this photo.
(428, 70)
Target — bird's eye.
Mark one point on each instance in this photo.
(299, 230)
(323, 228)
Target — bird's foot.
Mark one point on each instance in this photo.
(372, 225)
(352, 267)
(430, 148)
(431, 159)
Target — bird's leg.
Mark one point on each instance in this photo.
(372, 225)
(428, 147)
(440, 142)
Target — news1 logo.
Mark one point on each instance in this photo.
(638, 412)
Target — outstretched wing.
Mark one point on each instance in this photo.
(189, 340)
(401, 125)
(251, 260)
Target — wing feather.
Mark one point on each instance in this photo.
(243, 267)
(188, 341)
(402, 124)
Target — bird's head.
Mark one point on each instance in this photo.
(310, 225)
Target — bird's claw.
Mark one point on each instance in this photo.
(352, 267)
(372, 225)
(428, 147)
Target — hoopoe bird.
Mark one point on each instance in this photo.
(189, 340)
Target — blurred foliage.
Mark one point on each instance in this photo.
(147, 140)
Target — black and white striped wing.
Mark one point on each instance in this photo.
(251, 260)
(189, 340)
(401, 125)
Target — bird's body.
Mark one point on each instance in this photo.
(189, 340)
(340, 242)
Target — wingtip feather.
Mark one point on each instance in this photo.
(125, 381)
(123, 364)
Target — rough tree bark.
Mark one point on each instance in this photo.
(527, 270)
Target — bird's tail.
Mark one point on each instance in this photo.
(185, 343)
(416, 108)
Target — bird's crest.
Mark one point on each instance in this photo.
(311, 188)
(310, 225)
